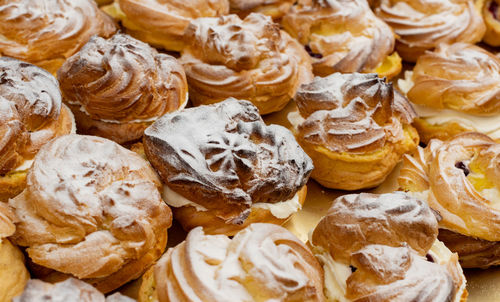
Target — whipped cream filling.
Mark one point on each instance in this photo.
(148, 120)
(280, 210)
(295, 119)
(489, 125)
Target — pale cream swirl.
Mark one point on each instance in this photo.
(249, 59)
(423, 24)
(47, 32)
(340, 35)
(91, 209)
(263, 262)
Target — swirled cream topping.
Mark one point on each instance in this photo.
(263, 262)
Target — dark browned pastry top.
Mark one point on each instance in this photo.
(225, 158)
(352, 112)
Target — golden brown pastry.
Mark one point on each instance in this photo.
(249, 59)
(343, 36)
(31, 114)
(13, 273)
(223, 168)
(118, 87)
(274, 8)
(103, 2)
(422, 25)
(92, 209)
(355, 127)
(47, 32)
(69, 290)
(490, 11)
(459, 179)
(263, 262)
(162, 23)
(384, 248)
(455, 89)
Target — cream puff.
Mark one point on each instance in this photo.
(250, 59)
(93, 210)
(69, 290)
(13, 272)
(263, 262)
(223, 168)
(46, 33)
(459, 180)
(455, 89)
(343, 36)
(118, 87)
(422, 25)
(384, 248)
(274, 8)
(162, 23)
(31, 114)
(355, 127)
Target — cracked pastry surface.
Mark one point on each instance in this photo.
(355, 127)
(423, 24)
(249, 59)
(343, 36)
(91, 209)
(31, 113)
(162, 23)
(450, 101)
(458, 178)
(13, 273)
(274, 8)
(119, 86)
(263, 262)
(68, 290)
(224, 160)
(389, 240)
(46, 33)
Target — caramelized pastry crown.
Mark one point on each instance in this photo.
(7, 227)
(225, 158)
(40, 31)
(440, 81)
(91, 207)
(247, 59)
(340, 35)
(460, 178)
(68, 290)
(385, 237)
(352, 112)
(423, 24)
(30, 105)
(263, 262)
(122, 79)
